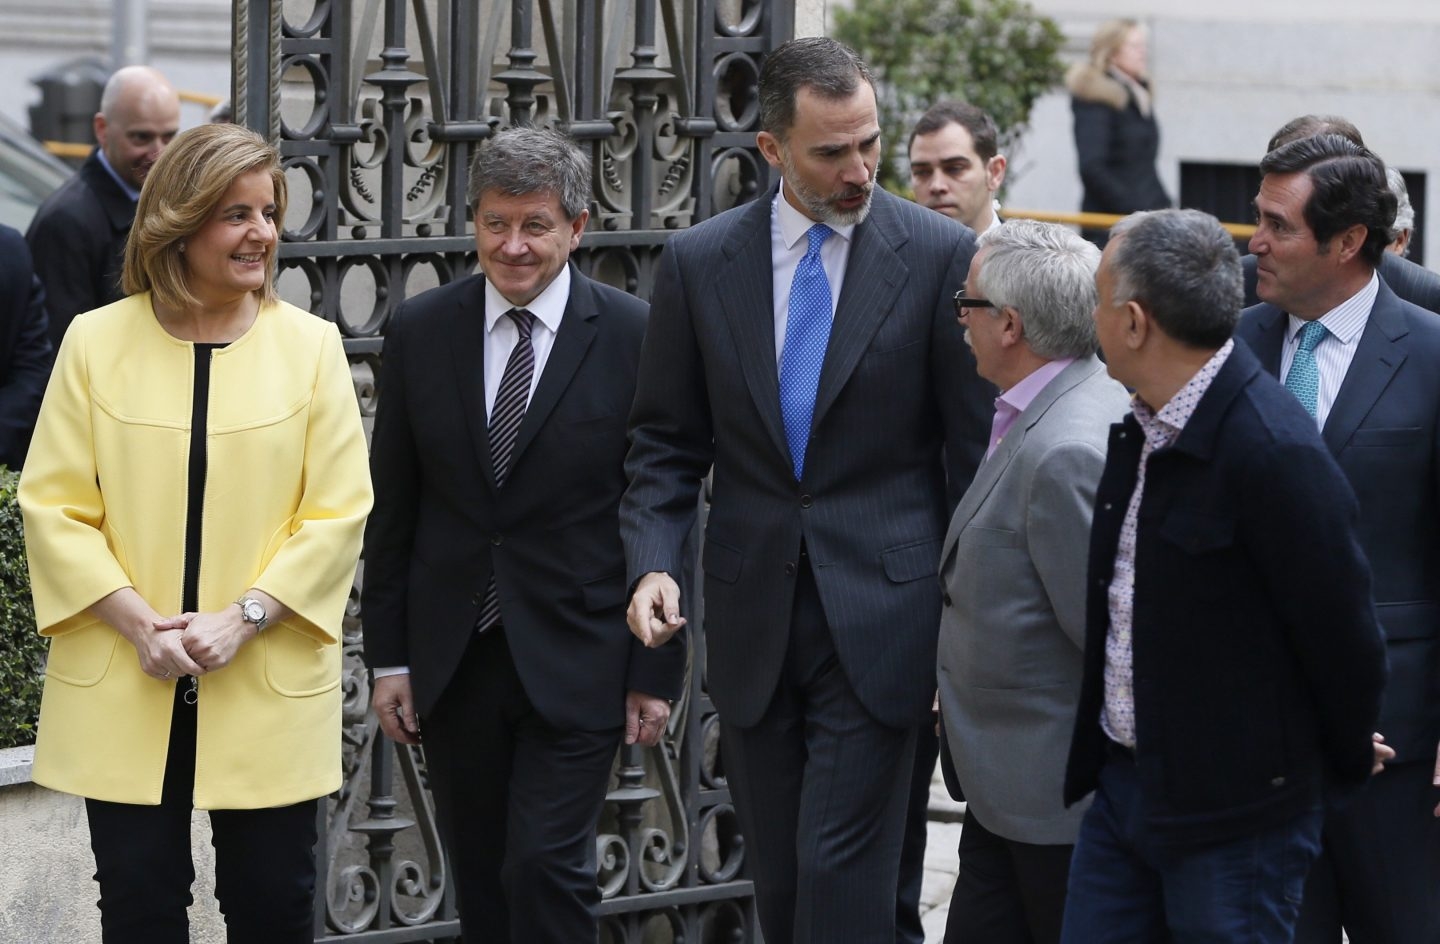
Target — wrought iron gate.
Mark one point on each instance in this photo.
(376, 105)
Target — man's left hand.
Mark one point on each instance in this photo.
(645, 718)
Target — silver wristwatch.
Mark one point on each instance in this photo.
(253, 611)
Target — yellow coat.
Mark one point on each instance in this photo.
(104, 499)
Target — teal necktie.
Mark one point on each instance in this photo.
(807, 334)
(1303, 380)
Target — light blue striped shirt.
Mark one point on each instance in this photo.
(1343, 326)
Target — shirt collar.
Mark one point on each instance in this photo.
(548, 307)
(794, 224)
(1161, 428)
(128, 190)
(1347, 319)
(1020, 396)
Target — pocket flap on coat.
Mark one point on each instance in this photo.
(911, 561)
(721, 562)
(1197, 532)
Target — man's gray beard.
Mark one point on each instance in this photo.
(818, 207)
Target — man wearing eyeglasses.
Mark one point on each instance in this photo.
(1012, 634)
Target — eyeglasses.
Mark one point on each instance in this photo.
(962, 302)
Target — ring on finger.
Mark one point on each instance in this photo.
(166, 675)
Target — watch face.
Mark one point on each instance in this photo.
(254, 612)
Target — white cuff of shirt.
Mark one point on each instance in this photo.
(391, 670)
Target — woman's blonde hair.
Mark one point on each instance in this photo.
(181, 192)
(1109, 37)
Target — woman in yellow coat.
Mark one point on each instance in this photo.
(193, 501)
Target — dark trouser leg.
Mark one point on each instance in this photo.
(821, 790)
(1114, 895)
(467, 757)
(142, 853)
(557, 790)
(1379, 866)
(1007, 892)
(908, 929)
(518, 801)
(265, 873)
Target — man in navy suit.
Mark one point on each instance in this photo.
(494, 597)
(805, 346)
(1233, 665)
(1365, 365)
(25, 353)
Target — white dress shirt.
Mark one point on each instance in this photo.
(788, 246)
(1343, 326)
(500, 336)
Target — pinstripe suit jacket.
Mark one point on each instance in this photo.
(1384, 430)
(897, 396)
(1411, 282)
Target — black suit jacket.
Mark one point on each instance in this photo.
(1384, 430)
(550, 535)
(1258, 664)
(25, 353)
(78, 240)
(1414, 283)
(898, 387)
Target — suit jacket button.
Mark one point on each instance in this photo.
(806, 501)
(497, 539)
(1278, 782)
(947, 600)
(478, 599)
(789, 568)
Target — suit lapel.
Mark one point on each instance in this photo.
(994, 467)
(577, 331)
(1269, 338)
(1378, 356)
(467, 355)
(872, 273)
(749, 307)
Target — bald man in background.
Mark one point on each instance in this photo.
(78, 235)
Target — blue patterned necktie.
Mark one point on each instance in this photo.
(807, 333)
(511, 399)
(1303, 380)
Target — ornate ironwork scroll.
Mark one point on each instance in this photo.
(376, 105)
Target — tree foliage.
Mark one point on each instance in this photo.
(997, 54)
(22, 652)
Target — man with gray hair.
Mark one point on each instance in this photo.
(1012, 634)
(494, 592)
(1233, 661)
(78, 234)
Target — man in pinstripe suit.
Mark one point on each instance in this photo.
(821, 598)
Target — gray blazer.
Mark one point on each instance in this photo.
(1012, 632)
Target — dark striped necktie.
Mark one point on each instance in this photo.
(505, 416)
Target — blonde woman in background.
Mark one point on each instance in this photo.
(1116, 137)
(193, 503)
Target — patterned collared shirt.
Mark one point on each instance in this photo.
(1160, 429)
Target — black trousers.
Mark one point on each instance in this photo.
(1007, 892)
(518, 802)
(1378, 874)
(820, 790)
(908, 928)
(264, 860)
